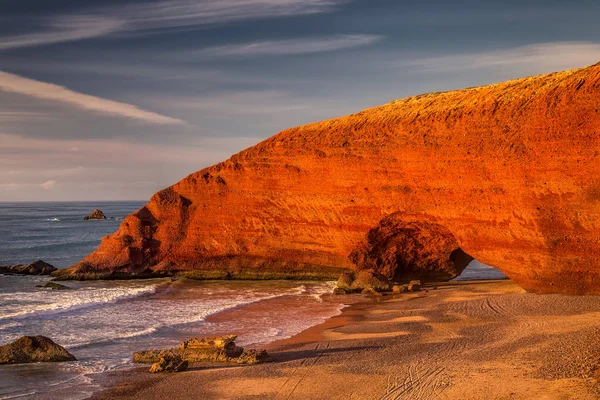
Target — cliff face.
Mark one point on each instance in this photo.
(510, 170)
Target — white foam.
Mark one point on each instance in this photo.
(51, 302)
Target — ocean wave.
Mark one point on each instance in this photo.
(195, 312)
(53, 219)
(112, 339)
(67, 301)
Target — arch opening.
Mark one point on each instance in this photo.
(477, 270)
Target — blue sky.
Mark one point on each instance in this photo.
(112, 100)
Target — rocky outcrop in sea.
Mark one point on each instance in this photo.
(36, 268)
(96, 214)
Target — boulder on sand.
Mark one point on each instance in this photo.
(414, 286)
(363, 280)
(36, 268)
(209, 349)
(30, 349)
(169, 364)
(253, 357)
(96, 214)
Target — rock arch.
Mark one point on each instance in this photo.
(511, 169)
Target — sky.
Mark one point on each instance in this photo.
(115, 100)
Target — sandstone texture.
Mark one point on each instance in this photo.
(169, 364)
(367, 280)
(510, 171)
(96, 214)
(37, 268)
(219, 349)
(30, 349)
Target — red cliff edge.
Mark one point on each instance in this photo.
(506, 173)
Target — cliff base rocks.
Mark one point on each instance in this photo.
(36, 268)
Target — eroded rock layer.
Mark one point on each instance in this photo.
(510, 170)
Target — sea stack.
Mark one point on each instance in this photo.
(96, 214)
(509, 171)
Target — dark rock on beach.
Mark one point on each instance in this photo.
(30, 349)
(414, 286)
(96, 214)
(365, 280)
(253, 357)
(37, 268)
(211, 349)
(169, 364)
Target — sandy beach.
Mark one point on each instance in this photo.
(462, 340)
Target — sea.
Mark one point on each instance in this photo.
(103, 322)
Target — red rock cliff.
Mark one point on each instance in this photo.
(511, 170)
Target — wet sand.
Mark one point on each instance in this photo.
(463, 340)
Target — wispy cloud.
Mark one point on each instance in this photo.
(292, 46)
(24, 86)
(102, 168)
(159, 15)
(64, 29)
(20, 116)
(190, 13)
(535, 58)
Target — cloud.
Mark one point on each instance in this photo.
(293, 46)
(534, 58)
(48, 185)
(19, 116)
(193, 13)
(157, 15)
(28, 87)
(109, 169)
(64, 29)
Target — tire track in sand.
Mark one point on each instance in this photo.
(420, 382)
(289, 386)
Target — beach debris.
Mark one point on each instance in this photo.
(96, 214)
(414, 286)
(169, 364)
(364, 279)
(208, 349)
(36, 268)
(30, 349)
(54, 286)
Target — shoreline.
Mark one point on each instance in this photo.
(464, 340)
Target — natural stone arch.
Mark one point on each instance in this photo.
(510, 169)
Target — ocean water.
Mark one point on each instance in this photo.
(102, 323)
(56, 232)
